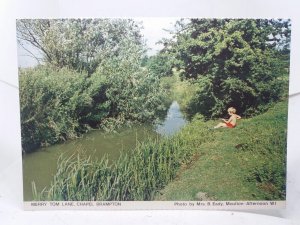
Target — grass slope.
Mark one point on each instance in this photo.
(244, 163)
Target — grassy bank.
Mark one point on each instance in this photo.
(245, 163)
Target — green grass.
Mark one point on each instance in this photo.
(244, 163)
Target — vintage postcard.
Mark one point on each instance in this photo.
(154, 113)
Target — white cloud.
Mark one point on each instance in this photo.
(154, 31)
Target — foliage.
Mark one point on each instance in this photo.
(96, 76)
(160, 64)
(181, 91)
(110, 87)
(133, 93)
(59, 104)
(80, 44)
(235, 62)
(51, 101)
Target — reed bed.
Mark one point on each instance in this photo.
(134, 176)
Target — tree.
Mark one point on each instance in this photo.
(92, 78)
(134, 94)
(239, 58)
(160, 64)
(75, 43)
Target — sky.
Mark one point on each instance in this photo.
(153, 31)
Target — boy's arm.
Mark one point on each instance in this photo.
(229, 120)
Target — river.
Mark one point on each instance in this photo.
(40, 166)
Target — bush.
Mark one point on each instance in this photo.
(60, 104)
(51, 101)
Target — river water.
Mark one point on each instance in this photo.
(41, 165)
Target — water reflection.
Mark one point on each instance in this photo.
(40, 166)
(173, 122)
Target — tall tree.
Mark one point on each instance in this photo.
(235, 62)
(80, 44)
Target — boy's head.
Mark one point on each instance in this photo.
(231, 110)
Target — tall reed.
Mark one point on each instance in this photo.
(134, 176)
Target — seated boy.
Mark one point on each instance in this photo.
(231, 122)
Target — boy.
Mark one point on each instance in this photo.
(231, 123)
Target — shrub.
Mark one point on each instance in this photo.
(51, 101)
(60, 104)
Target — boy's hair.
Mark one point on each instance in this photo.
(231, 110)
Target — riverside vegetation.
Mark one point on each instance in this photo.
(95, 74)
(245, 163)
(105, 88)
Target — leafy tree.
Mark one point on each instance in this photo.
(240, 60)
(133, 93)
(160, 65)
(60, 103)
(79, 44)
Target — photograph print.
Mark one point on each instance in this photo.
(154, 109)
